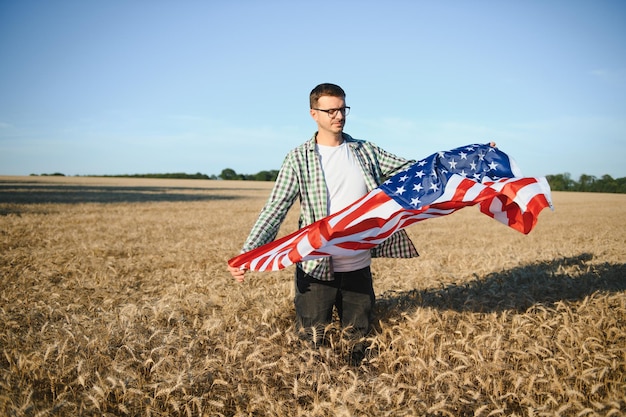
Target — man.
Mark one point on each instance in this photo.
(328, 173)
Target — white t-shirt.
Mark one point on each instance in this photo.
(345, 184)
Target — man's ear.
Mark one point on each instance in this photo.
(313, 114)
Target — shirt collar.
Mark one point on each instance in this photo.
(346, 138)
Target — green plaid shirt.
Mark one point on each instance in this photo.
(301, 176)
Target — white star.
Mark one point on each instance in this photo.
(463, 155)
(421, 163)
(419, 174)
(404, 178)
(415, 201)
(452, 164)
(481, 156)
(493, 165)
(400, 190)
(463, 173)
(477, 176)
(387, 182)
(434, 187)
(441, 154)
(473, 165)
(417, 187)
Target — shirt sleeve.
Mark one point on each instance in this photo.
(391, 164)
(283, 195)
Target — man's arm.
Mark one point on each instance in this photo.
(283, 195)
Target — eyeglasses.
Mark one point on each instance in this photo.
(332, 113)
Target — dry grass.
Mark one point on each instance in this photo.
(115, 301)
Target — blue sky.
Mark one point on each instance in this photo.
(125, 87)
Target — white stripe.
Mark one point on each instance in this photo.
(530, 191)
(453, 183)
(473, 191)
(383, 211)
(495, 208)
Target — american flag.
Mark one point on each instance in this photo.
(435, 186)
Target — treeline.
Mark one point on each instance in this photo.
(231, 174)
(227, 174)
(558, 182)
(173, 175)
(587, 183)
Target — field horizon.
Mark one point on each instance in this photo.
(116, 301)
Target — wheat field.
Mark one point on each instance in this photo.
(115, 301)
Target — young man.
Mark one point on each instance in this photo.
(327, 173)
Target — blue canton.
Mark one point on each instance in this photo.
(424, 182)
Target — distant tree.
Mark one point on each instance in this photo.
(621, 185)
(586, 182)
(561, 182)
(607, 185)
(265, 176)
(230, 174)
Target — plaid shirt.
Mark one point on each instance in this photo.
(301, 176)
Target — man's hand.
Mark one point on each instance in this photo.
(238, 274)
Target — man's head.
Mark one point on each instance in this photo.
(325, 89)
(329, 110)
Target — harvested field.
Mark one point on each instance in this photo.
(115, 301)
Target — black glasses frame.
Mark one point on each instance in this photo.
(332, 113)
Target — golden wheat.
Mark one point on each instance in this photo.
(115, 300)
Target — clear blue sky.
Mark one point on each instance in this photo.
(125, 87)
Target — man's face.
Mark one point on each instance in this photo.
(324, 121)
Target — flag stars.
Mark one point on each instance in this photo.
(424, 181)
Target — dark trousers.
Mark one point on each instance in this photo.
(352, 293)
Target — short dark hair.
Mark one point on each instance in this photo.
(325, 89)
